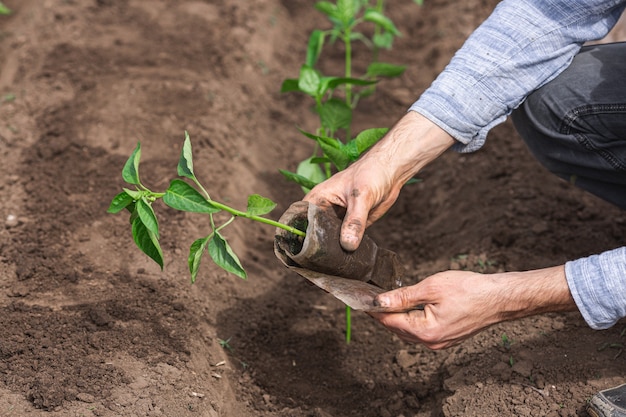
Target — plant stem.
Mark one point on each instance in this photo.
(348, 324)
(380, 8)
(260, 219)
(348, 72)
(224, 224)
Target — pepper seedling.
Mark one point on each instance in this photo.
(182, 196)
(336, 97)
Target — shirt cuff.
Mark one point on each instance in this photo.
(598, 286)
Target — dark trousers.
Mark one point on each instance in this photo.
(576, 124)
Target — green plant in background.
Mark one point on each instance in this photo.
(506, 342)
(4, 9)
(336, 97)
(182, 196)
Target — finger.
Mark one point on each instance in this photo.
(379, 210)
(324, 196)
(354, 222)
(404, 325)
(401, 299)
(317, 199)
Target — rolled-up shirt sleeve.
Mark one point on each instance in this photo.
(520, 47)
(598, 285)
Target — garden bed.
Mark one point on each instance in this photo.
(91, 327)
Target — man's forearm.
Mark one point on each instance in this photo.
(533, 292)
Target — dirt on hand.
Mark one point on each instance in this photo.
(90, 326)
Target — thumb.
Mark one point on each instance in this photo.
(401, 299)
(353, 226)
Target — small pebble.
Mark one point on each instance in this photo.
(11, 221)
(85, 397)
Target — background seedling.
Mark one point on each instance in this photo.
(615, 344)
(506, 342)
(182, 196)
(336, 97)
(225, 344)
(8, 98)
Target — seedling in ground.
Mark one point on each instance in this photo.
(226, 344)
(183, 196)
(4, 9)
(506, 342)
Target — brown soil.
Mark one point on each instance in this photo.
(90, 326)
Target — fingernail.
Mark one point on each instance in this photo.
(381, 301)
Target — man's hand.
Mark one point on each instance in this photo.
(365, 189)
(370, 186)
(451, 306)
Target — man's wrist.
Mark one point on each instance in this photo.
(411, 144)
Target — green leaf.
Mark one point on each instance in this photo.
(289, 85)
(314, 48)
(347, 11)
(419, 2)
(133, 212)
(351, 150)
(337, 156)
(182, 196)
(4, 9)
(324, 85)
(311, 171)
(372, 15)
(319, 160)
(258, 205)
(147, 241)
(335, 114)
(368, 137)
(120, 202)
(382, 69)
(334, 82)
(299, 179)
(336, 143)
(195, 256)
(358, 36)
(364, 140)
(383, 40)
(130, 172)
(136, 195)
(309, 81)
(327, 8)
(310, 168)
(223, 255)
(185, 163)
(333, 142)
(147, 216)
